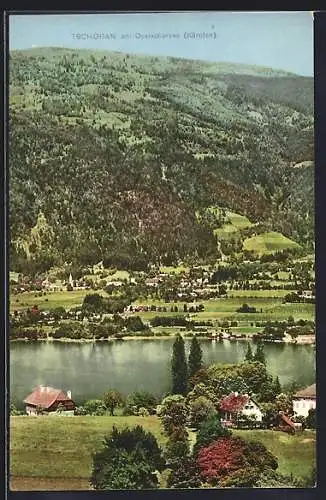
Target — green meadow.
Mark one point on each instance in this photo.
(56, 452)
(270, 242)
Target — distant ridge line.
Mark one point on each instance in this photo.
(253, 69)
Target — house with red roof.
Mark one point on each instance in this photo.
(48, 401)
(236, 406)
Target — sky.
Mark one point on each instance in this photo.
(281, 40)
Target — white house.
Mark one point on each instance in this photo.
(235, 405)
(304, 400)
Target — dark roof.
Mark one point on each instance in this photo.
(308, 392)
(287, 420)
(233, 402)
(45, 397)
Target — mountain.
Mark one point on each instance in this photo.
(113, 156)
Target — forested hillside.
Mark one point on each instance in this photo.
(116, 156)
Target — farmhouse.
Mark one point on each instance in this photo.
(47, 400)
(235, 405)
(304, 400)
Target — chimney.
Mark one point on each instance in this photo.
(69, 394)
(42, 388)
(236, 394)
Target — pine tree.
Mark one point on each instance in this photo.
(249, 356)
(179, 367)
(195, 357)
(277, 386)
(260, 355)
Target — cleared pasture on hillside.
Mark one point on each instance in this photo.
(269, 242)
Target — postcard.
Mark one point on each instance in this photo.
(162, 251)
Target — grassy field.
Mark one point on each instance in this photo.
(259, 293)
(268, 304)
(51, 300)
(174, 270)
(56, 452)
(269, 243)
(235, 223)
(295, 454)
(268, 308)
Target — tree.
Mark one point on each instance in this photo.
(173, 412)
(200, 409)
(177, 446)
(210, 430)
(184, 475)
(113, 399)
(179, 367)
(230, 456)
(94, 407)
(246, 477)
(249, 356)
(311, 419)
(260, 355)
(129, 460)
(195, 357)
(14, 411)
(272, 479)
(93, 303)
(242, 378)
(270, 412)
(284, 402)
(183, 470)
(140, 399)
(277, 386)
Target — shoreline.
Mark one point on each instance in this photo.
(305, 340)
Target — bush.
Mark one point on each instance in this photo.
(95, 407)
(14, 411)
(184, 475)
(209, 431)
(173, 412)
(200, 409)
(80, 410)
(135, 324)
(234, 461)
(143, 412)
(246, 309)
(311, 419)
(129, 460)
(140, 399)
(177, 446)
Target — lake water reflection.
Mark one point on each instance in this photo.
(88, 369)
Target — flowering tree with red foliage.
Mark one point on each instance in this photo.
(231, 457)
(233, 402)
(221, 458)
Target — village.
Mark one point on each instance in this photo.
(260, 305)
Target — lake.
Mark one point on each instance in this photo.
(90, 369)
